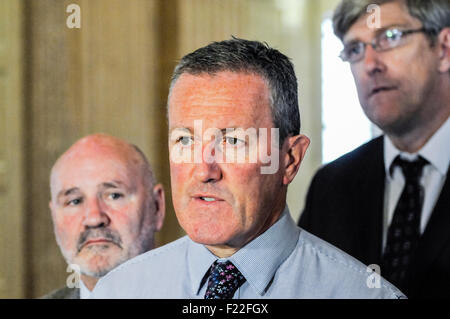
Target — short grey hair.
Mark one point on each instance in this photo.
(239, 55)
(434, 14)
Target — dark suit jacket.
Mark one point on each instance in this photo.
(64, 293)
(345, 204)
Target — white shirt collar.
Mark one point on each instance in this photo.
(85, 293)
(436, 150)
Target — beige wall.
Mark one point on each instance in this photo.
(59, 84)
(12, 169)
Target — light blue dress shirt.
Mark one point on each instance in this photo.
(85, 293)
(283, 262)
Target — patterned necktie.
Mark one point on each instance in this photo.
(224, 280)
(404, 231)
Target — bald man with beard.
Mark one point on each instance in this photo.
(105, 208)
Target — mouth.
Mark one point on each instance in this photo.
(380, 89)
(96, 241)
(207, 199)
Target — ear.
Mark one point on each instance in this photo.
(160, 206)
(443, 42)
(296, 149)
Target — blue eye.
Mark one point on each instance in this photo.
(389, 38)
(185, 140)
(392, 35)
(354, 50)
(233, 141)
(115, 196)
(75, 202)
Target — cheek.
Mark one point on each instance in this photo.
(254, 186)
(413, 66)
(68, 228)
(178, 172)
(420, 74)
(244, 182)
(126, 219)
(179, 177)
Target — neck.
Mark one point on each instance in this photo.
(222, 251)
(415, 139)
(89, 281)
(227, 250)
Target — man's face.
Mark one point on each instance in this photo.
(395, 86)
(103, 211)
(222, 204)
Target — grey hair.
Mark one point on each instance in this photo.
(239, 55)
(434, 14)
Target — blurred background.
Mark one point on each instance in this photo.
(59, 84)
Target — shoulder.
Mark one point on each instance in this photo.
(132, 278)
(155, 255)
(63, 293)
(341, 275)
(361, 157)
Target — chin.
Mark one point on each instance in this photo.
(209, 237)
(383, 118)
(99, 266)
(96, 273)
(98, 262)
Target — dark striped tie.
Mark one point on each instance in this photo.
(404, 231)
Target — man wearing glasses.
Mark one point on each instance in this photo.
(388, 201)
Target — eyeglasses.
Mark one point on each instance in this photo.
(388, 39)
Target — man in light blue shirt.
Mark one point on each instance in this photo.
(235, 145)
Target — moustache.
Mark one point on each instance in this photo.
(103, 233)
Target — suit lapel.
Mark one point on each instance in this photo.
(371, 199)
(437, 232)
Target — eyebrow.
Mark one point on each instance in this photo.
(394, 25)
(67, 192)
(223, 130)
(391, 26)
(113, 184)
(70, 191)
(184, 129)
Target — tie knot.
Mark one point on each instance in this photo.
(224, 280)
(412, 170)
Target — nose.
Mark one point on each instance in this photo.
(96, 216)
(372, 61)
(208, 171)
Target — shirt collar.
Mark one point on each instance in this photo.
(85, 293)
(436, 150)
(257, 261)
